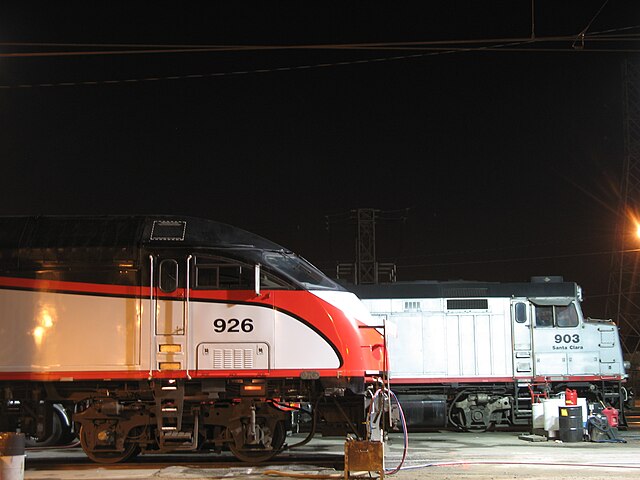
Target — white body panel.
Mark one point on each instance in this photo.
(427, 341)
(578, 350)
(277, 340)
(83, 333)
(64, 332)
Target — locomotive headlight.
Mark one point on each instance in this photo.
(627, 365)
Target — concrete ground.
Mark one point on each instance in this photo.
(442, 455)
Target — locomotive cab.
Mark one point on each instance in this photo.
(561, 342)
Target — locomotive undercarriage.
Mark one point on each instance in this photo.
(27, 408)
(252, 429)
(480, 407)
(250, 417)
(478, 410)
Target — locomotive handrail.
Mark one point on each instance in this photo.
(152, 320)
(186, 318)
(256, 279)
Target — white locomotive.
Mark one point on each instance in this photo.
(473, 355)
(165, 333)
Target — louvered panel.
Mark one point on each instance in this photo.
(233, 356)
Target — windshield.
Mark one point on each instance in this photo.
(299, 270)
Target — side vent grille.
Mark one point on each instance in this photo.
(465, 292)
(233, 356)
(468, 304)
(230, 359)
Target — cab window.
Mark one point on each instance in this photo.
(566, 316)
(221, 275)
(556, 316)
(520, 311)
(168, 275)
(544, 316)
(216, 273)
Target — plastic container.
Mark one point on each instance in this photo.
(570, 424)
(612, 416)
(570, 397)
(538, 416)
(550, 406)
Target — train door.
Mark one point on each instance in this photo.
(521, 329)
(169, 300)
(556, 335)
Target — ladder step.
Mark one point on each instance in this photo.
(178, 436)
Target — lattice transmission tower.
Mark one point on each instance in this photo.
(366, 269)
(623, 303)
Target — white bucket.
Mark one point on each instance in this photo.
(12, 467)
(537, 412)
(551, 420)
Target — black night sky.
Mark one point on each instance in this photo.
(485, 163)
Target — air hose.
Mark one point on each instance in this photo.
(385, 392)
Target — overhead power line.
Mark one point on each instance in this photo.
(426, 48)
(140, 49)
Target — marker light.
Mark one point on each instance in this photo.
(170, 348)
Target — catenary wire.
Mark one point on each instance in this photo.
(140, 48)
(505, 47)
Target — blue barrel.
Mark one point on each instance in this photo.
(570, 423)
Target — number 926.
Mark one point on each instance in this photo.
(233, 325)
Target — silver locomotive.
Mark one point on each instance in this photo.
(473, 355)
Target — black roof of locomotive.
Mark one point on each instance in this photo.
(538, 287)
(124, 232)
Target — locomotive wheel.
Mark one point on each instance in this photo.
(478, 428)
(478, 420)
(130, 450)
(51, 440)
(252, 454)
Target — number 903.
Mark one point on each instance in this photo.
(567, 338)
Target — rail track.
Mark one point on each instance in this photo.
(73, 458)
